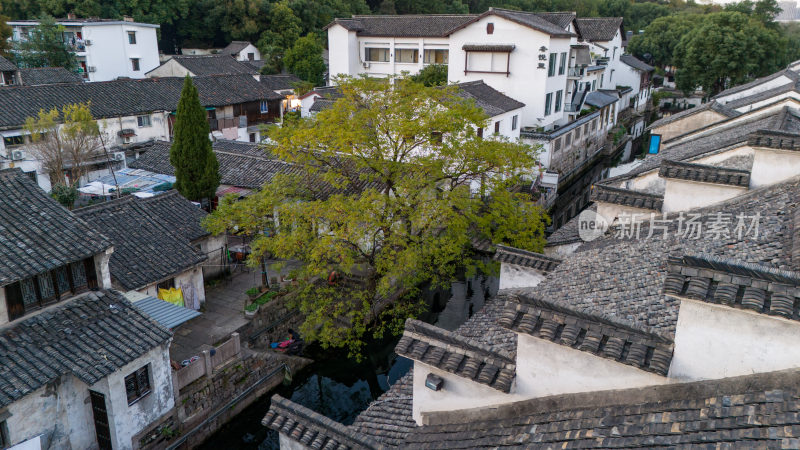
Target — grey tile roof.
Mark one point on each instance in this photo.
(525, 258)
(234, 47)
(712, 105)
(777, 139)
(410, 25)
(704, 173)
(312, 429)
(488, 47)
(752, 411)
(793, 77)
(6, 65)
(89, 337)
(562, 19)
(600, 99)
(458, 355)
(755, 287)
(279, 82)
(636, 63)
(178, 214)
(37, 234)
(568, 233)
(389, 418)
(222, 64)
(48, 75)
(764, 95)
(490, 100)
(128, 97)
(624, 277)
(242, 164)
(146, 251)
(627, 197)
(590, 333)
(535, 21)
(599, 28)
(727, 136)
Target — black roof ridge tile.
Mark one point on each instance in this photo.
(626, 197)
(704, 173)
(525, 258)
(283, 410)
(434, 333)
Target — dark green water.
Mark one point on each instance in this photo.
(341, 388)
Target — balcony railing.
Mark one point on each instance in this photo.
(575, 72)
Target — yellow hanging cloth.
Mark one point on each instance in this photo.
(171, 295)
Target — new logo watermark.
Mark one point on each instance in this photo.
(591, 225)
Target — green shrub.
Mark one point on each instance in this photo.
(253, 291)
(266, 297)
(251, 307)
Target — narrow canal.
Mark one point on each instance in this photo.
(341, 388)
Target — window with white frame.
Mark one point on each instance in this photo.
(559, 94)
(131, 37)
(406, 55)
(376, 54)
(551, 67)
(548, 100)
(263, 107)
(514, 121)
(562, 64)
(435, 56)
(143, 121)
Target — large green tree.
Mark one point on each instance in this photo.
(196, 166)
(657, 43)
(726, 49)
(45, 47)
(395, 183)
(304, 59)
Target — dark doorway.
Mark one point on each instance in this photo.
(100, 414)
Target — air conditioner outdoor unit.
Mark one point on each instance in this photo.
(17, 155)
(365, 65)
(87, 42)
(92, 69)
(118, 156)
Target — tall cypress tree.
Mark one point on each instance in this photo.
(196, 166)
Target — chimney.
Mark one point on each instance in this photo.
(127, 18)
(71, 16)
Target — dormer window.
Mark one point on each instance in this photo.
(490, 28)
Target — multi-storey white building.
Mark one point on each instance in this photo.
(549, 61)
(106, 49)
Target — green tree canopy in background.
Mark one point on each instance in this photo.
(304, 59)
(726, 49)
(432, 75)
(45, 47)
(196, 166)
(661, 37)
(403, 209)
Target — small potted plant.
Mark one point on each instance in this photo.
(252, 293)
(251, 309)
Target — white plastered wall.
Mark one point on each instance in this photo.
(716, 341)
(612, 212)
(515, 276)
(682, 195)
(543, 368)
(772, 166)
(192, 276)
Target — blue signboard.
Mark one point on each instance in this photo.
(655, 143)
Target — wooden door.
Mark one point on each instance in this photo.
(100, 413)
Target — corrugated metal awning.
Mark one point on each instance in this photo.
(167, 314)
